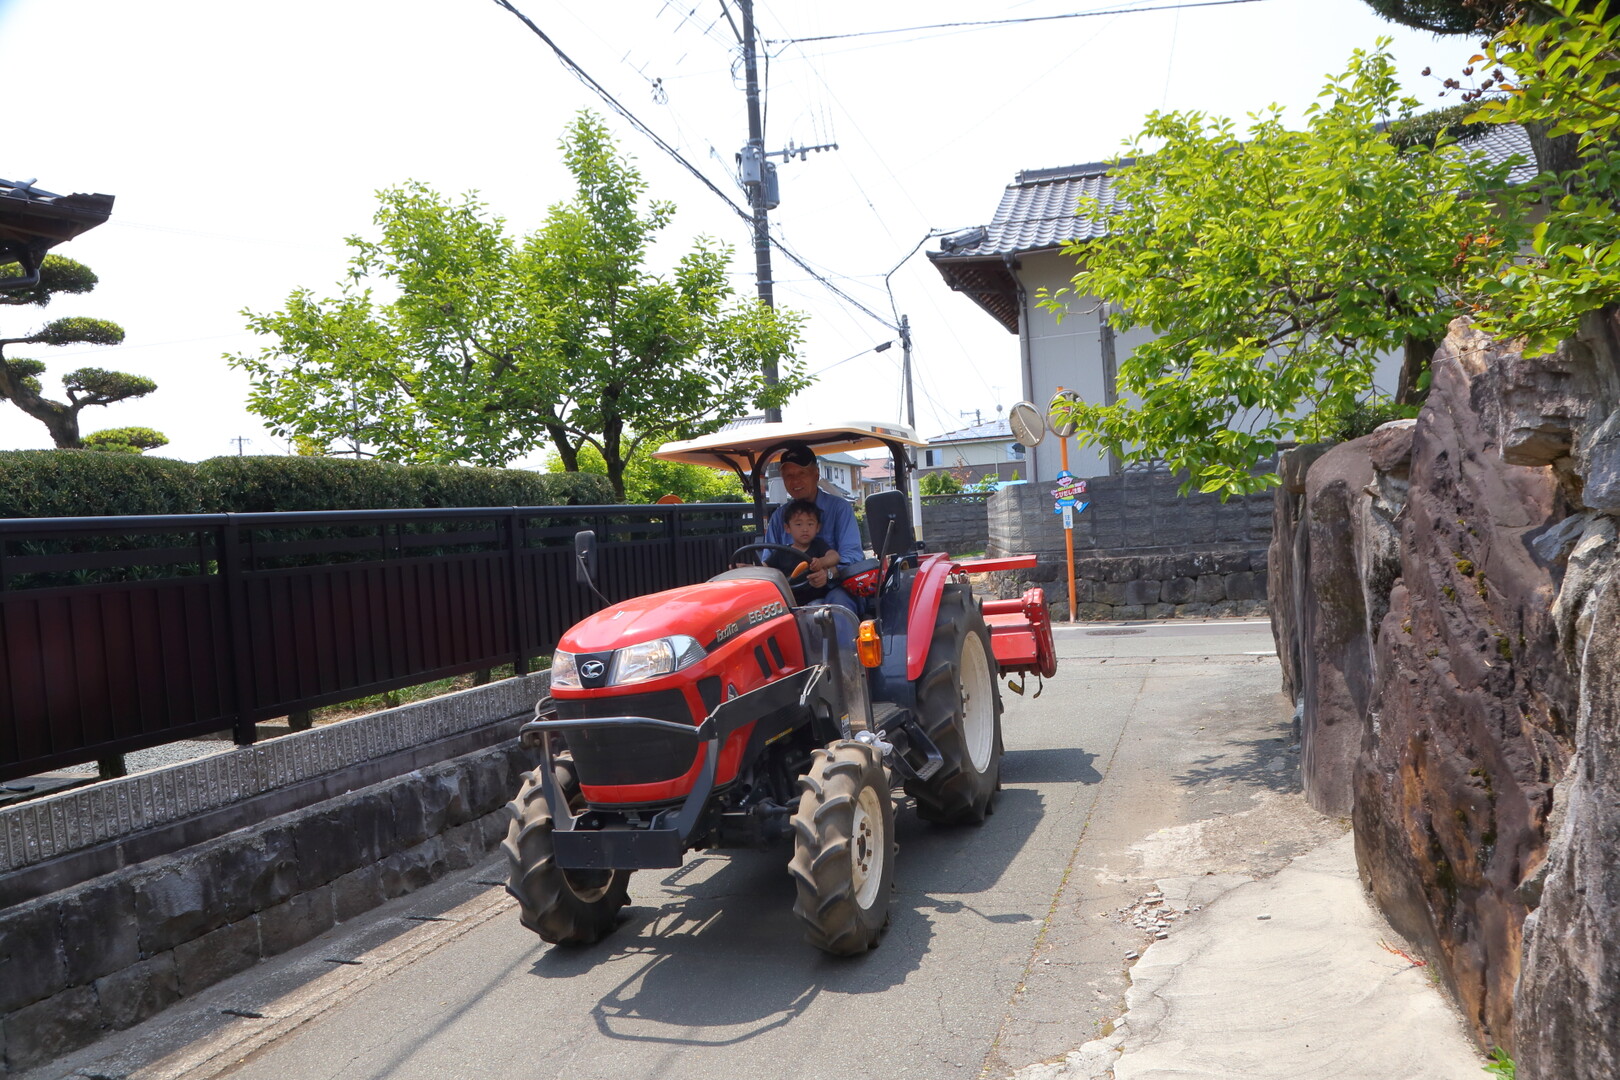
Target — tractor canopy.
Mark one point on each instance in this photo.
(748, 448)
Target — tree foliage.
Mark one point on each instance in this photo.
(494, 346)
(939, 483)
(1275, 268)
(1445, 16)
(125, 440)
(19, 376)
(646, 479)
(1565, 66)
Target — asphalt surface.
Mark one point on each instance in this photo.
(1151, 792)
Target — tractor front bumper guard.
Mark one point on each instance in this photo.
(663, 842)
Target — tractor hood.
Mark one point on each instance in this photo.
(712, 612)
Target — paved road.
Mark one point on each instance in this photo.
(1158, 750)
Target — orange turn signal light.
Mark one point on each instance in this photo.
(868, 644)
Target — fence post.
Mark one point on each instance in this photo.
(238, 630)
(516, 592)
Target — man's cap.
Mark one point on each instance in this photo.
(798, 454)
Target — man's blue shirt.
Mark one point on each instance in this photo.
(838, 527)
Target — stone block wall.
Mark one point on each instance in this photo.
(120, 898)
(1199, 584)
(116, 950)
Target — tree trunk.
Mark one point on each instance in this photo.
(62, 421)
(1418, 353)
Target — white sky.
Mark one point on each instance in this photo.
(244, 141)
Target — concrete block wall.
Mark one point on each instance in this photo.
(1142, 550)
(1137, 512)
(114, 951)
(955, 523)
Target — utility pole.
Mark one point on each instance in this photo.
(754, 176)
(911, 422)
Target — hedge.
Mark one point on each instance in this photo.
(88, 483)
(83, 483)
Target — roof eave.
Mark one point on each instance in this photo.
(986, 280)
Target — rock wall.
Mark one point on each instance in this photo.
(1438, 592)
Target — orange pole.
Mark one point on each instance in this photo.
(1068, 531)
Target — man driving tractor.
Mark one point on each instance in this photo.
(801, 474)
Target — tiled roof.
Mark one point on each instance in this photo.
(989, 429)
(1505, 141)
(1038, 213)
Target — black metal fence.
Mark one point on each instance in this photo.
(118, 634)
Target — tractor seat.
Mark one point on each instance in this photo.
(760, 573)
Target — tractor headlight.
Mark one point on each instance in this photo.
(564, 672)
(652, 659)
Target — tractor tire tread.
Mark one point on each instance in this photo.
(547, 903)
(822, 868)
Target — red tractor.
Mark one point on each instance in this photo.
(725, 714)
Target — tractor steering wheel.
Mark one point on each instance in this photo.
(794, 578)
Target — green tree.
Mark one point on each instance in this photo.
(125, 440)
(19, 376)
(494, 346)
(1445, 16)
(1275, 269)
(1565, 81)
(646, 479)
(939, 483)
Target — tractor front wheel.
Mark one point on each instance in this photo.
(565, 907)
(843, 849)
(959, 706)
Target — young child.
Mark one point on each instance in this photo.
(803, 519)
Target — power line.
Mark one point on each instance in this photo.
(1005, 22)
(658, 141)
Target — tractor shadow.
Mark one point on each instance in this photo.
(713, 956)
(1051, 766)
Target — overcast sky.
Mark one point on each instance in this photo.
(244, 141)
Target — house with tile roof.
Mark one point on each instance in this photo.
(1002, 267)
(985, 448)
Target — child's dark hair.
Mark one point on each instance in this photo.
(801, 506)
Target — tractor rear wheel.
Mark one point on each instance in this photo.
(843, 849)
(565, 907)
(959, 706)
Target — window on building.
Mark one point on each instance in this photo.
(928, 459)
(1015, 451)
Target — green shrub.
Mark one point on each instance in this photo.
(267, 485)
(1365, 417)
(82, 483)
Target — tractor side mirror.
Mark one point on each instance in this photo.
(585, 558)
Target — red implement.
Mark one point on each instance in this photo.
(1021, 634)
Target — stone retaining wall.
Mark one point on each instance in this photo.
(115, 948)
(1201, 584)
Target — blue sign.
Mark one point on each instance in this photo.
(1076, 504)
